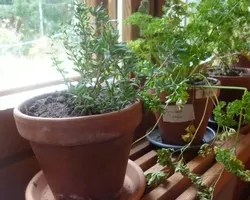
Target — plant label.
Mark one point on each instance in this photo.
(175, 115)
(205, 92)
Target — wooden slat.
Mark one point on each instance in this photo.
(245, 129)
(156, 168)
(97, 2)
(112, 8)
(158, 7)
(139, 149)
(130, 32)
(177, 183)
(147, 160)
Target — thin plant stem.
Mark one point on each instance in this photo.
(148, 132)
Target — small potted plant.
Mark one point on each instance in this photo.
(227, 36)
(172, 53)
(170, 63)
(82, 136)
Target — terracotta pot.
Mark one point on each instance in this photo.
(82, 157)
(229, 95)
(148, 121)
(242, 63)
(174, 122)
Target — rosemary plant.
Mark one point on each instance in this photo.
(102, 62)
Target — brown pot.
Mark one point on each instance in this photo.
(242, 63)
(173, 123)
(229, 95)
(147, 122)
(82, 157)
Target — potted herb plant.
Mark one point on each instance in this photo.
(170, 62)
(82, 136)
(226, 24)
(172, 53)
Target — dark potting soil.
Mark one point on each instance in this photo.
(229, 72)
(61, 105)
(202, 82)
(55, 105)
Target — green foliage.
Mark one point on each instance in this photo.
(226, 134)
(27, 12)
(225, 28)
(6, 11)
(170, 53)
(103, 63)
(205, 150)
(227, 115)
(190, 133)
(169, 50)
(56, 14)
(155, 178)
(6, 2)
(204, 192)
(232, 164)
(164, 157)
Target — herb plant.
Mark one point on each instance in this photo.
(225, 28)
(171, 50)
(102, 62)
(168, 51)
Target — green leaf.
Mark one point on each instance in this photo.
(156, 178)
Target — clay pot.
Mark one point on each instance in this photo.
(242, 63)
(174, 122)
(229, 95)
(82, 157)
(148, 121)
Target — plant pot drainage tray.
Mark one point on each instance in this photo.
(156, 140)
(133, 187)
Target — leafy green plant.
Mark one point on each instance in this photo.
(168, 51)
(225, 25)
(103, 63)
(171, 52)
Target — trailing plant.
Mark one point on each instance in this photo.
(102, 62)
(171, 52)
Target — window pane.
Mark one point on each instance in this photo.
(24, 44)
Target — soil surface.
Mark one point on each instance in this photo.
(202, 82)
(61, 105)
(229, 72)
(56, 105)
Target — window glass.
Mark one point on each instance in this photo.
(24, 43)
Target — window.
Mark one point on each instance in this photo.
(24, 44)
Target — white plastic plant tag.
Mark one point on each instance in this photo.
(205, 92)
(174, 114)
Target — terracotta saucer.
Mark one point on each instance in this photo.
(133, 187)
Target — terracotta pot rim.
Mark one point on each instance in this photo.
(78, 130)
(19, 114)
(234, 77)
(209, 78)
